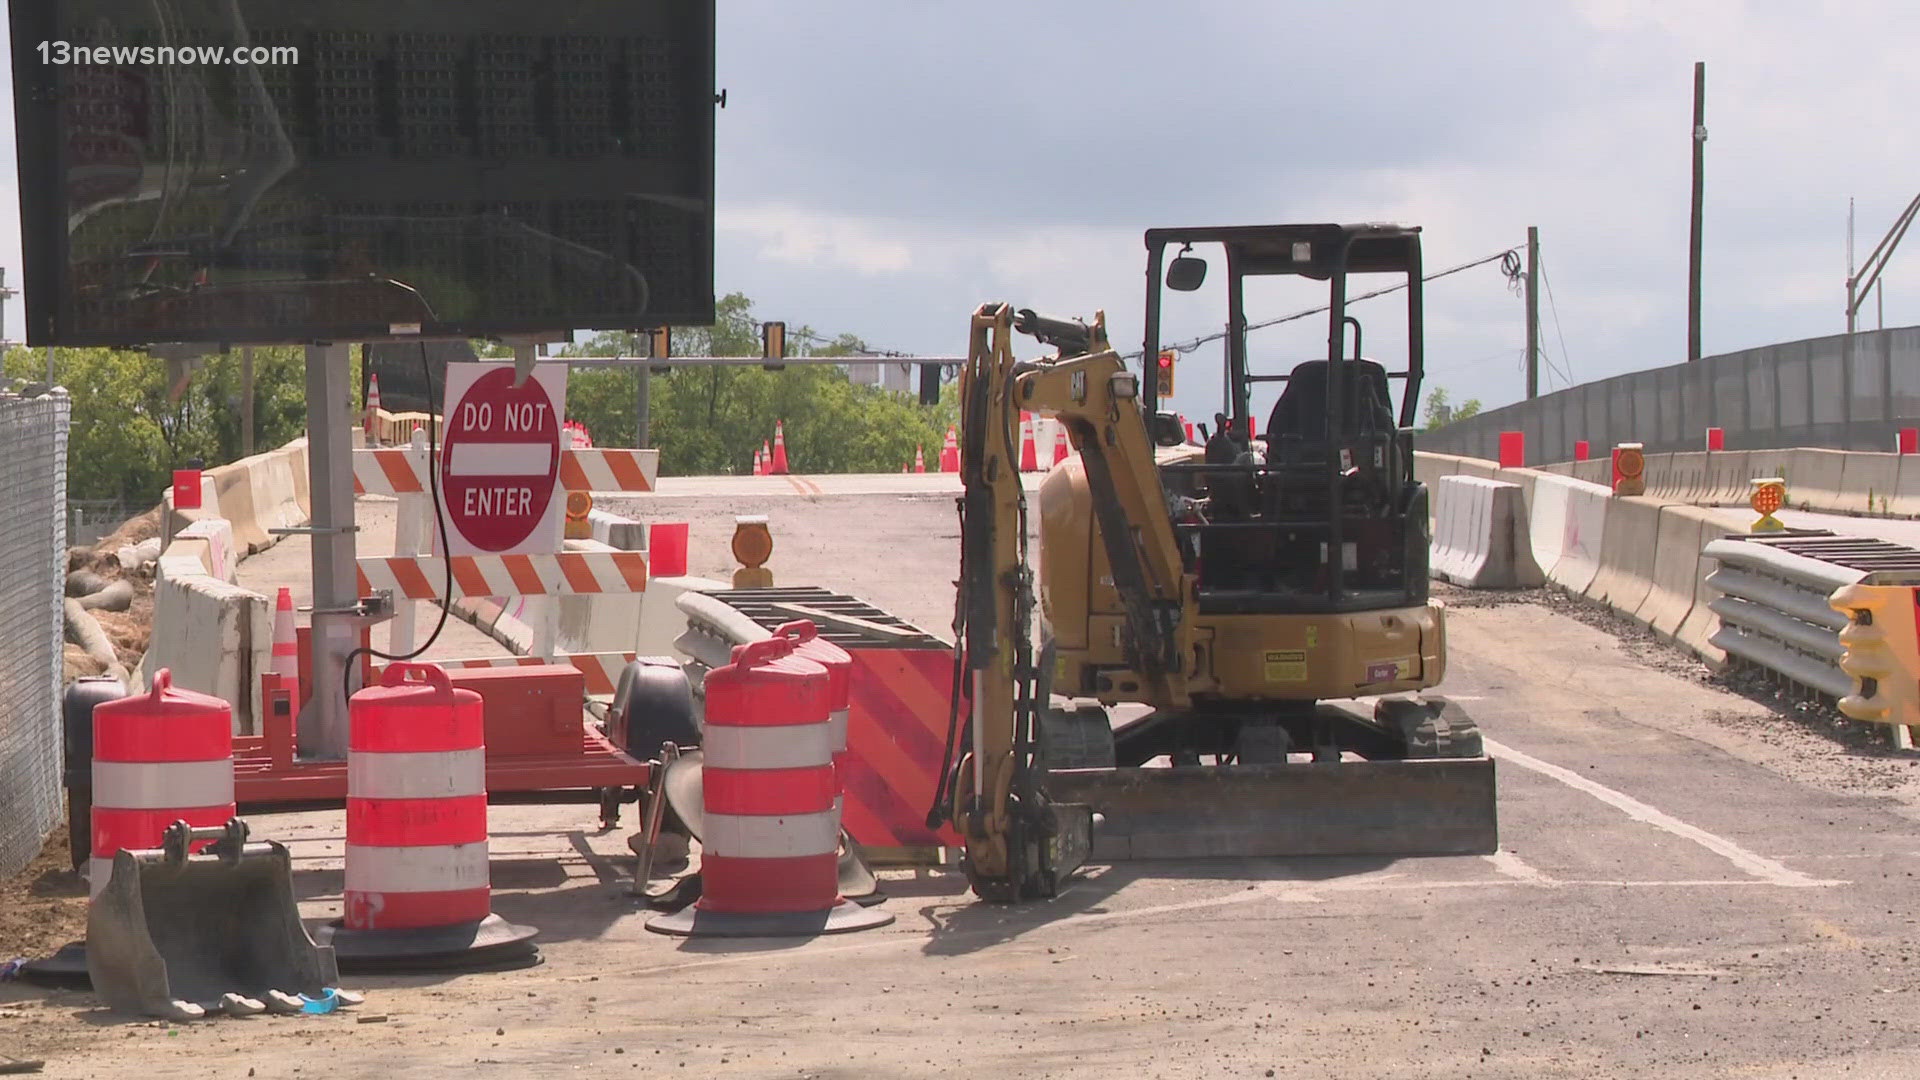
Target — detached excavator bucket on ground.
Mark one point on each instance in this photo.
(179, 935)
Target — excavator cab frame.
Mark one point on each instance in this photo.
(1336, 472)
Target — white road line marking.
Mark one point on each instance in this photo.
(1759, 866)
(1510, 865)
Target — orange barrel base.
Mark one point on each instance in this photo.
(694, 921)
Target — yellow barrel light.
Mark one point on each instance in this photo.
(579, 506)
(1629, 469)
(753, 546)
(1769, 495)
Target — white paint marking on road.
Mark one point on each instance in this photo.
(1757, 865)
(1510, 865)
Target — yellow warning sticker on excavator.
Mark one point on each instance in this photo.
(1313, 637)
(1286, 665)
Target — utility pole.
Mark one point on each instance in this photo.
(642, 405)
(246, 401)
(1852, 303)
(6, 294)
(1699, 190)
(1533, 312)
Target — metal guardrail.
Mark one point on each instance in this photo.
(1773, 604)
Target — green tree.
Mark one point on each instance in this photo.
(1439, 413)
(128, 434)
(710, 419)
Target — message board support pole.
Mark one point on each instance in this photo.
(336, 629)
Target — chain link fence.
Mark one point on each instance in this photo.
(1825, 392)
(33, 541)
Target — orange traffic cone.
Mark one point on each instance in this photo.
(1029, 455)
(766, 459)
(286, 651)
(1060, 446)
(919, 460)
(759, 466)
(950, 453)
(373, 402)
(779, 449)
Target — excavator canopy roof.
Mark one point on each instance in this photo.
(1258, 250)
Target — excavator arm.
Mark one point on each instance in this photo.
(1018, 842)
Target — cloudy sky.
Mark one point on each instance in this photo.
(884, 167)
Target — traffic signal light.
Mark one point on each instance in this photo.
(659, 347)
(773, 345)
(1163, 377)
(929, 384)
(1882, 653)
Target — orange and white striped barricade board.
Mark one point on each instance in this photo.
(400, 471)
(576, 573)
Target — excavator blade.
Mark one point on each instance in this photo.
(1432, 806)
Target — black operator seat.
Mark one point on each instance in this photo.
(1302, 408)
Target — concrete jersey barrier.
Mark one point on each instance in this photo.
(1628, 546)
(1481, 542)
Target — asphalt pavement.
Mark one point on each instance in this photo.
(1690, 884)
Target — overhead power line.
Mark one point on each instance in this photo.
(1189, 346)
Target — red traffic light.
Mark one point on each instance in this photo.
(1166, 360)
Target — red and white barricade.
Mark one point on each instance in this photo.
(159, 757)
(771, 832)
(417, 881)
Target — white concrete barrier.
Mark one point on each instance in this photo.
(276, 503)
(213, 635)
(1868, 483)
(1628, 546)
(1815, 478)
(1581, 529)
(662, 620)
(1429, 468)
(616, 531)
(1683, 531)
(1481, 542)
(210, 541)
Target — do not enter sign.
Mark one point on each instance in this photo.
(500, 459)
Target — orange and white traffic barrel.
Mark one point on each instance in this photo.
(158, 757)
(839, 664)
(417, 880)
(771, 833)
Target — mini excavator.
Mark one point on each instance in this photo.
(1234, 636)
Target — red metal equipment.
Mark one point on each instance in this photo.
(537, 739)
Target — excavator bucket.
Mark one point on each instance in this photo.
(175, 934)
(1435, 806)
